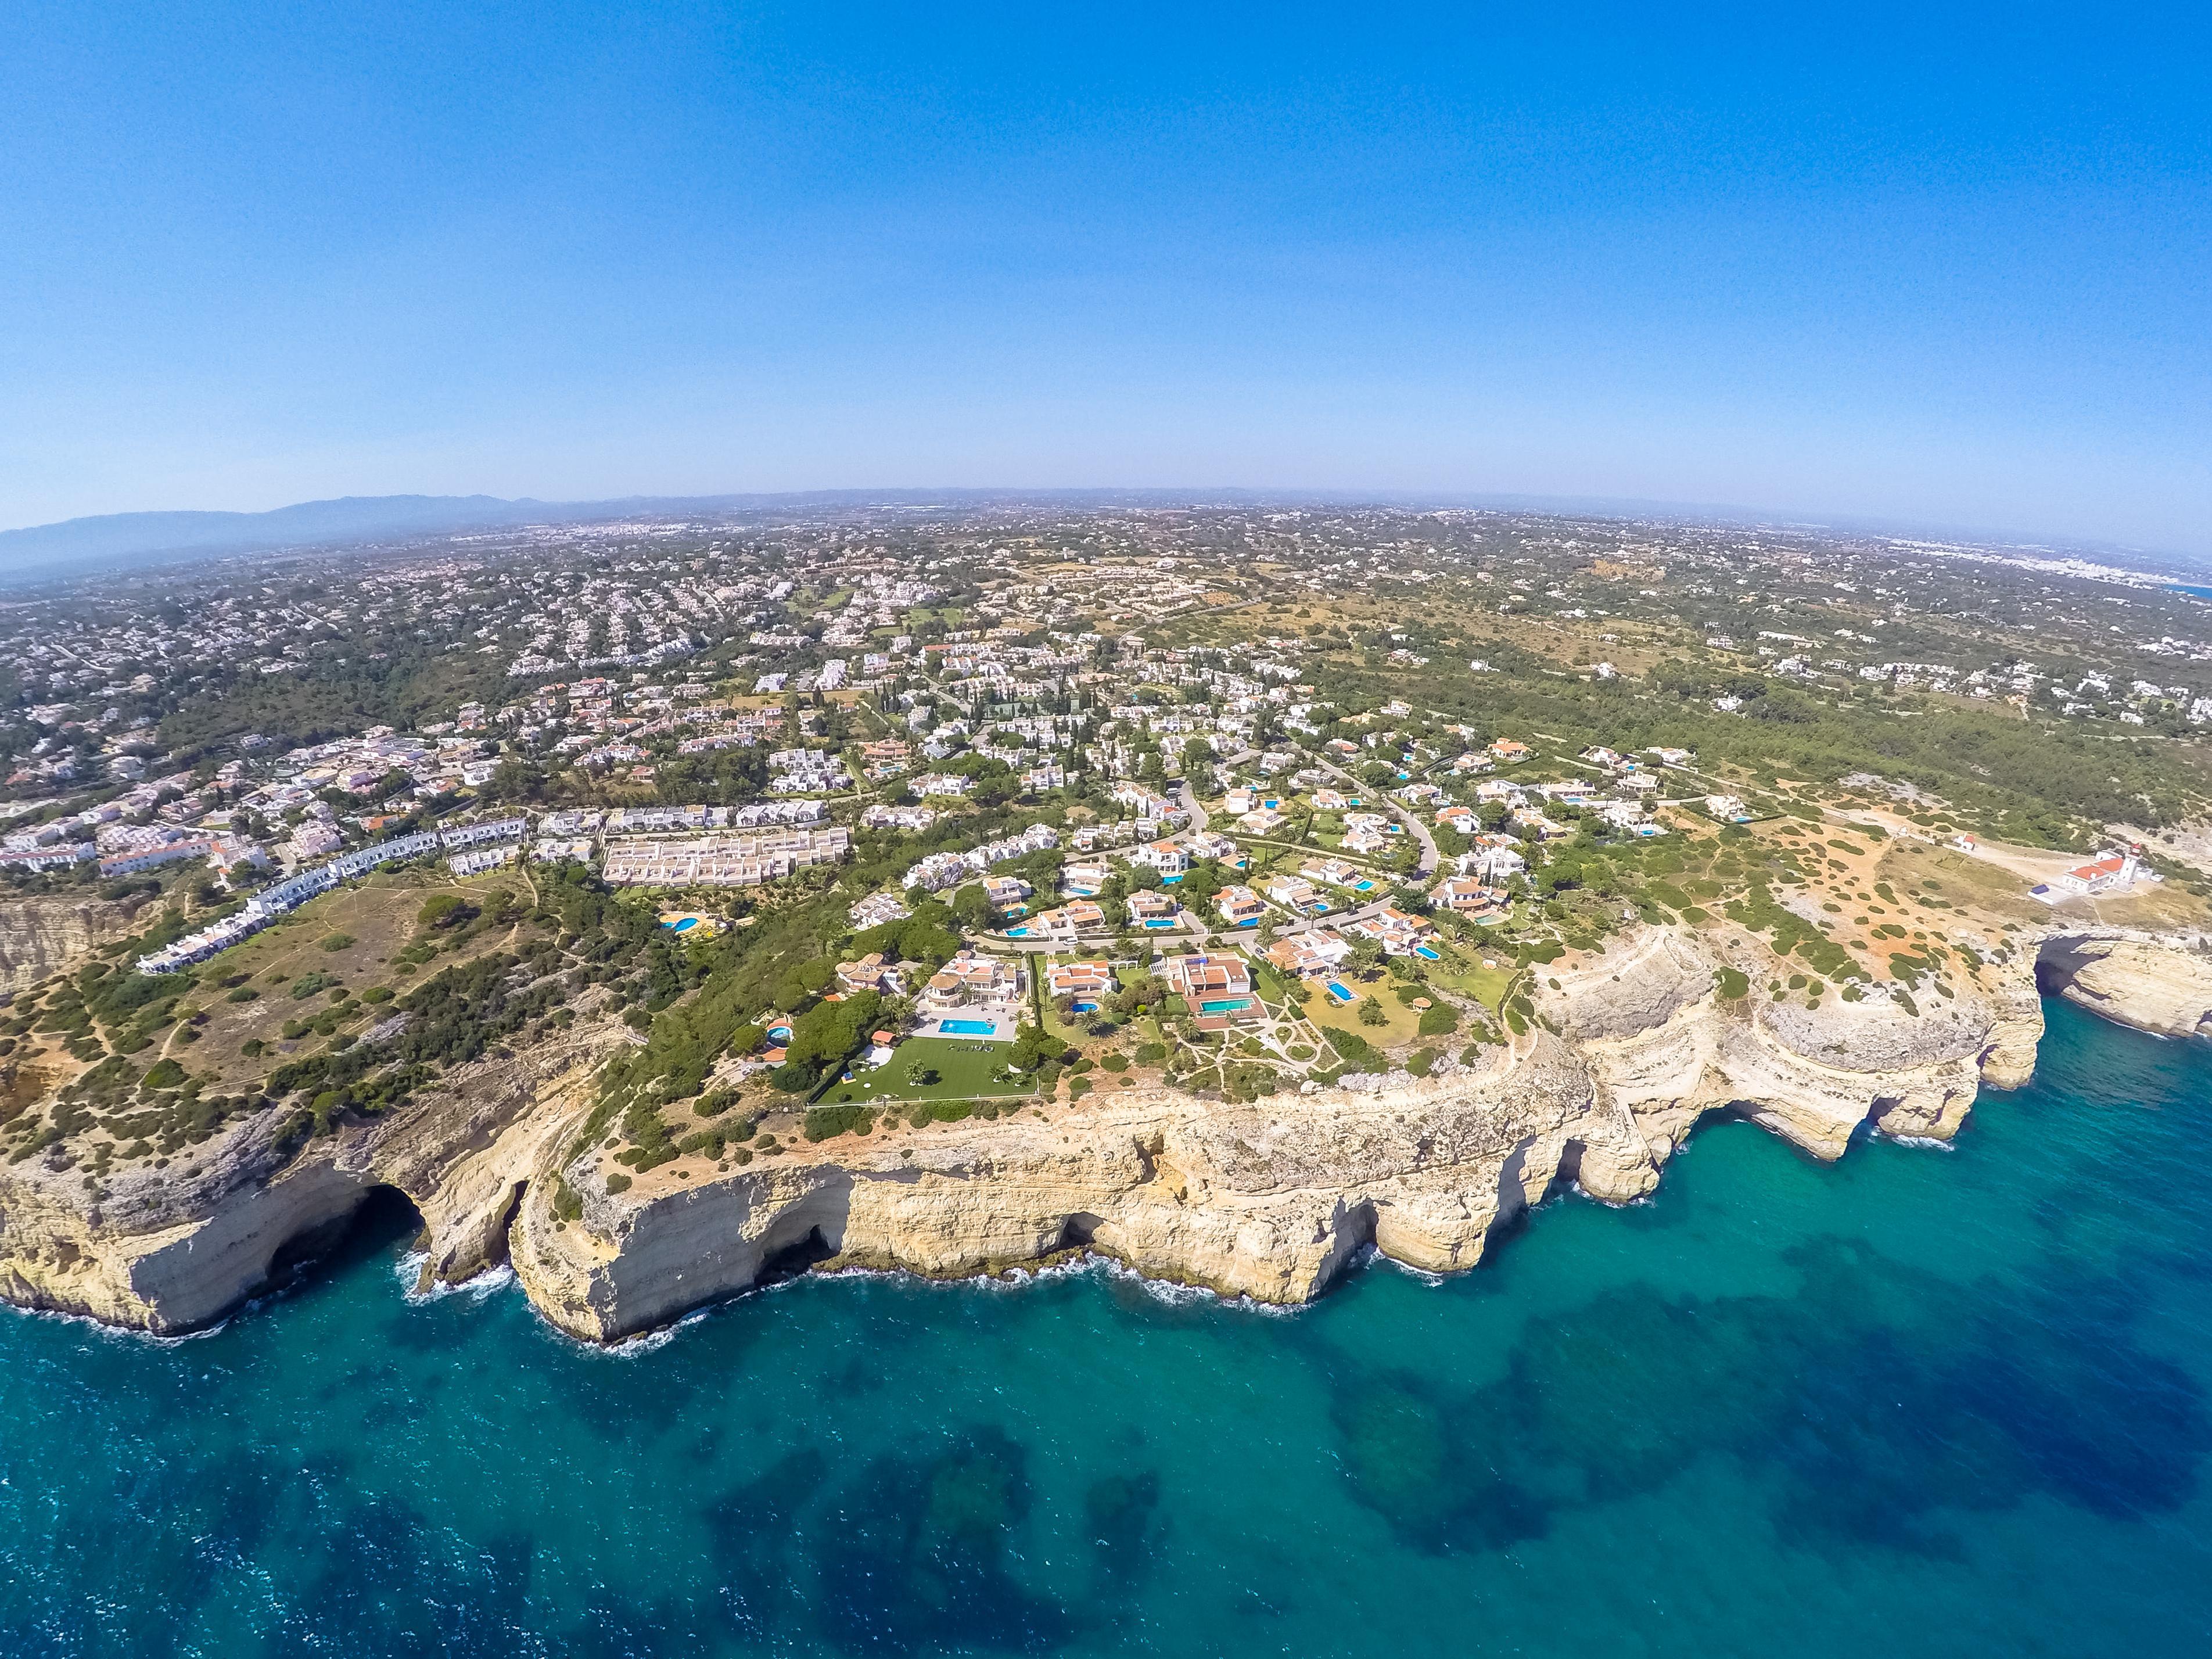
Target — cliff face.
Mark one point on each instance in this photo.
(39, 936)
(1268, 1200)
(2133, 980)
(167, 1250)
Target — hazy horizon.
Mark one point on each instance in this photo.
(1840, 522)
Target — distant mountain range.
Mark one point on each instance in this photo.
(123, 540)
(117, 540)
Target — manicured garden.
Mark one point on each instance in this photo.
(961, 1066)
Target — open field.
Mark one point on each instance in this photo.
(378, 917)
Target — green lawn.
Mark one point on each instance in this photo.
(964, 1066)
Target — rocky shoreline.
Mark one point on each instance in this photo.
(1270, 1200)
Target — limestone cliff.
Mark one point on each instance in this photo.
(2134, 980)
(1268, 1200)
(170, 1249)
(49, 933)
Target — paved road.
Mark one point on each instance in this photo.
(1199, 816)
(1431, 858)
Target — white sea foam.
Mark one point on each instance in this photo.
(1927, 1142)
(408, 1270)
(131, 1334)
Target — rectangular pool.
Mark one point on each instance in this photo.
(1339, 991)
(966, 1027)
(1226, 1006)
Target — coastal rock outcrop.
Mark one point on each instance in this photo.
(41, 934)
(2132, 981)
(1268, 1200)
(169, 1249)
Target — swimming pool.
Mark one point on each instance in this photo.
(966, 1027)
(1226, 1006)
(779, 1034)
(1363, 886)
(1423, 950)
(1161, 921)
(1339, 991)
(1017, 932)
(681, 925)
(1082, 1008)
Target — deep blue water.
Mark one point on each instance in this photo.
(1920, 1403)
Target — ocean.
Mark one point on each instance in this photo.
(1923, 1401)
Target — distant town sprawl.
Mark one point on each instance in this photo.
(300, 705)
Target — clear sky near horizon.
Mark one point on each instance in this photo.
(1947, 264)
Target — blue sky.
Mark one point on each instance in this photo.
(1945, 263)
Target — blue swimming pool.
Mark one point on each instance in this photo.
(681, 925)
(1017, 932)
(1423, 950)
(1363, 886)
(779, 1034)
(1225, 1006)
(966, 1027)
(1161, 921)
(1082, 1008)
(1339, 991)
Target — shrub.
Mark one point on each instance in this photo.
(1732, 984)
(825, 1122)
(1441, 1020)
(1116, 1062)
(617, 1183)
(243, 993)
(164, 1075)
(376, 993)
(1370, 1012)
(443, 910)
(1152, 1054)
(338, 942)
(1350, 1044)
(307, 984)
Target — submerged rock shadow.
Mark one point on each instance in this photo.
(1868, 1415)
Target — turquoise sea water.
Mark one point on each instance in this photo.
(1920, 1403)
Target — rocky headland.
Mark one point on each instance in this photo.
(1269, 1199)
